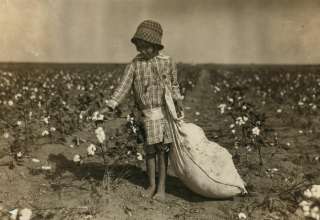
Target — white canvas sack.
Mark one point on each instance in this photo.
(203, 166)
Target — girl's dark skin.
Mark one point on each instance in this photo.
(146, 49)
(149, 51)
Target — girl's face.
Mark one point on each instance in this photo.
(146, 49)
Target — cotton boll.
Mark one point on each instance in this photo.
(76, 158)
(25, 214)
(44, 133)
(222, 108)
(100, 134)
(314, 213)
(315, 191)
(19, 154)
(315, 209)
(14, 214)
(6, 135)
(97, 116)
(139, 156)
(305, 205)
(35, 160)
(306, 208)
(306, 213)
(46, 120)
(91, 150)
(307, 193)
(241, 215)
(46, 167)
(256, 131)
(100, 117)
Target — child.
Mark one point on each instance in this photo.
(148, 74)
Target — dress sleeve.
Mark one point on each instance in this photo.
(174, 82)
(123, 88)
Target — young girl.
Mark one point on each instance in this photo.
(148, 74)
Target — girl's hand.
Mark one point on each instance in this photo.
(179, 105)
(106, 110)
(180, 110)
(180, 116)
(111, 112)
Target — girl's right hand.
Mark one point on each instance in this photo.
(111, 112)
(106, 110)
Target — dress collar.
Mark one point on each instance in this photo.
(141, 57)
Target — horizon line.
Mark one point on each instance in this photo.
(180, 62)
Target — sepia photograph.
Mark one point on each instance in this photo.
(159, 110)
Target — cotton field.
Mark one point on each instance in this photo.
(61, 159)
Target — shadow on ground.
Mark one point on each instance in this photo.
(132, 173)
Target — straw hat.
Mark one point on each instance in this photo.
(149, 31)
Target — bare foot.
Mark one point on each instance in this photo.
(160, 196)
(149, 192)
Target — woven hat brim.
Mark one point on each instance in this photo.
(133, 40)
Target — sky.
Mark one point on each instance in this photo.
(195, 31)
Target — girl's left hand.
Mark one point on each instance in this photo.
(179, 105)
(180, 116)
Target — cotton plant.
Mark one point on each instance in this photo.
(48, 129)
(92, 148)
(222, 108)
(247, 123)
(311, 203)
(132, 124)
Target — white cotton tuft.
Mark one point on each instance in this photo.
(139, 156)
(241, 215)
(14, 214)
(101, 136)
(25, 214)
(76, 158)
(91, 150)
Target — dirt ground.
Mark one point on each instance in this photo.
(71, 191)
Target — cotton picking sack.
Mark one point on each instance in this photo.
(203, 166)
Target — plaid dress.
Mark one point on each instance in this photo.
(143, 77)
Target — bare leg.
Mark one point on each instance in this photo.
(160, 195)
(151, 171)
(166, 156)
